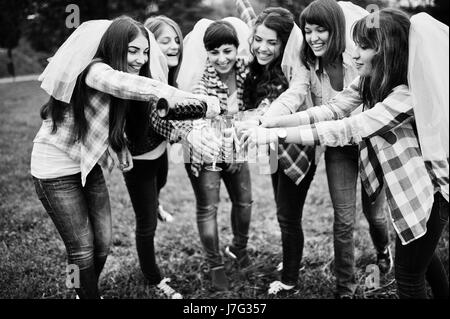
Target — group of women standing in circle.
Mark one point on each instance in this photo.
(103, 103)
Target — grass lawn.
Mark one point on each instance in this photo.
(33, 259)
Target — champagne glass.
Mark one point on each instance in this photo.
(216, 125)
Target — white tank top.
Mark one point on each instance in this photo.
(48, 161)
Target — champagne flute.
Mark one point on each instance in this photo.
(216, 125)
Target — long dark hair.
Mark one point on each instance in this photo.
(389, 38)
(268, 82)
(155, 25)
(329, 15)
(112, 50)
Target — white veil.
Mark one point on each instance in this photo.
(75, 54)
(194, 52)
(352, 13)
(428, 77)
(291, 58)
(60, 75)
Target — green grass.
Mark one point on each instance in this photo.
(33, 259)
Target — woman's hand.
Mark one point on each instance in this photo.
(269, 122)
(125, 160)
(203, 140)
(258, 136)
(213, 105)
(242, 126)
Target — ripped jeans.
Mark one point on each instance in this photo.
(207, 192)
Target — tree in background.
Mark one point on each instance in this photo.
(47, 29)
(12, 15)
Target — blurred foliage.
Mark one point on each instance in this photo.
(12, 15)
(297, 6)
(46, 29)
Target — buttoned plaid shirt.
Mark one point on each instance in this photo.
(106, 82)
(390, 153)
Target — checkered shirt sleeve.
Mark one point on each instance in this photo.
(246, 12)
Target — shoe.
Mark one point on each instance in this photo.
(167, 290)
(240, 256)
(280, 267)
(385, 262)
(164, 215)
(277, 286)
(219, 279)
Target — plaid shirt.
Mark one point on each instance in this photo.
(210, 84)
(246, 12)
(295, 160)
(105, 82)
(390, 153)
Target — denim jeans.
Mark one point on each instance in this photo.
(290, 199)
(418, 260)
(342, 173)
(207, 193)
(144, 183)
(82, 216)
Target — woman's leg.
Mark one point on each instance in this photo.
(142, 187)
(418, 259)
(65, 202)
(239, 188)
(207, 193)
(97, 197)
(290, 199)
(378, 227)
(342, 173)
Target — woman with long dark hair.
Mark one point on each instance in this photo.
(402, 133)
(329, 68)
(97, 76)
(295, 167)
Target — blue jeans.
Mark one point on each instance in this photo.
(82, 216)
(290, 199)
(342, 173)
(144, 183)
(207, 193)
(418, 260)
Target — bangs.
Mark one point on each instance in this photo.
(314, 15)
(363, 35)
(218, 34)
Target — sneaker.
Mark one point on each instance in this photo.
(164, 215)
(277, 286)
(280, 267)
(167, 290)
(240, 256)
(219, 279)
(384, 261)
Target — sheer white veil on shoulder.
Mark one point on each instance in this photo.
(76, 53)
(428, 79)
(195, 56)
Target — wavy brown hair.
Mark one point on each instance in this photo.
(268, 82)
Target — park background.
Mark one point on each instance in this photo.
(32, 255)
